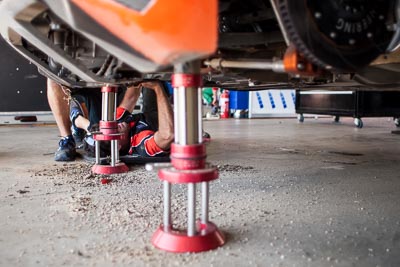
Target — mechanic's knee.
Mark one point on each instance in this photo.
(168, 137)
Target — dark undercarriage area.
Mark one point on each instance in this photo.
(253, 44)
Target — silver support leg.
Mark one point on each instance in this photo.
(191, 231)
(116, 151)
(186, 108)
(187, 124)
(167, 206)
(204, 202)
(177, 109)
(109, 103)
(188, 128)
(113, 154)
(109, 106)
(105, 106)
(97, 151)
(200, 115)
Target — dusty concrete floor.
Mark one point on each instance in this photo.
(289, 194)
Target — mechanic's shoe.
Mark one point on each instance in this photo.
(66, 149)
(206, 137)
(75, 110)
(78, 135)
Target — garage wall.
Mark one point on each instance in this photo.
(22, 88)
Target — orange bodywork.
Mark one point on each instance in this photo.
(166, 31)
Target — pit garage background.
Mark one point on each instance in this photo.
(22, 88)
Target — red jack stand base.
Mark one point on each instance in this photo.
(107, 169)
(175, 241)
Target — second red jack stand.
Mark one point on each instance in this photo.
(188, 158)
(109, 132)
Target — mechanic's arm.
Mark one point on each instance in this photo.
(130, 98)
(165, 134)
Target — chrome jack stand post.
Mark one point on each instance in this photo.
(109, 132)
(188, 158)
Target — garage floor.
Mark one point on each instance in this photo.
(289, 194)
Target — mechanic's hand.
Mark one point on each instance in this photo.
(153, 84)
(135, 86)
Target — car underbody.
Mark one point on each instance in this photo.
(334, 45)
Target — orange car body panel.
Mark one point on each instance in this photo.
(166, 31)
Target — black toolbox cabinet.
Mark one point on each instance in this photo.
(356, 104)
(22, 88)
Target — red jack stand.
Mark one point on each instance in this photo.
(188, 156)
(109, 132)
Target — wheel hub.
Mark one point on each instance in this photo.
(351, 24)
(341, 34)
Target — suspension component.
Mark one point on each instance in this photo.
(297, 64)
(220, 63)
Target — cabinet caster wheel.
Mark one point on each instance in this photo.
(358, 122)
(336, 119)
(397, 122)
(300, 118)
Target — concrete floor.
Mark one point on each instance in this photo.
(289, 194)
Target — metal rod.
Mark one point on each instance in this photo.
(116, 151)
(187, 129)
(180, 111)
(113, 114)
(280, 23)
(186, 107)
(218, 63)
(205, 192)
(97, 151)
(200, 116)
(167, 206)
(176, 115)
(109, 106)
(192, 111)
(191, 230)
(104, 105)
(187, 111)
(113, 155)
